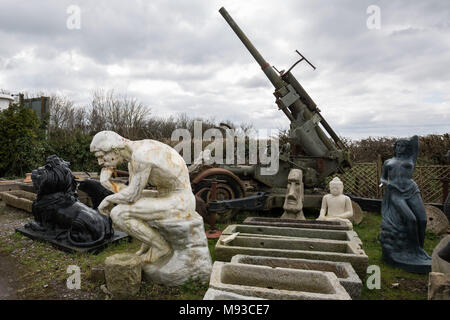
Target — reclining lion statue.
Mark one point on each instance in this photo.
(58, 214)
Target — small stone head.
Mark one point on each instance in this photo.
(294, 196)
(402, 147)
(107, 146)
(336, 186)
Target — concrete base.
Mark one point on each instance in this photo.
(213, 294)
(285, 232)
(64, 245)
(315, 249)
(292, 223)
(343, 270)
(269, 283)
(190, 257)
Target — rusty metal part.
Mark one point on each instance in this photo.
(219, 171)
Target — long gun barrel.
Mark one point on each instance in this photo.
(293, 100)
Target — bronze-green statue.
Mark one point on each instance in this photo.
(403, 214)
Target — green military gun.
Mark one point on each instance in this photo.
(309, 148)
(317, 154)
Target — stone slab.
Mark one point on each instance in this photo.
(293, 223)
(8, 185)
(269, 283)
(314, 249)
(123, 274)
(343, 270)
(213, 294)
(439, 286)
(19, 199)
(66, 246)
(286, 232)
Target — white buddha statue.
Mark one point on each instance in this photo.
(336, 206)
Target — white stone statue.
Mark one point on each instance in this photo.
(336, 206)
(293, 203)
(174, 245)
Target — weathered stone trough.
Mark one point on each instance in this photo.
(293, 223)
(315, 249)
(285, 232)
(343, 270)
(213, 294)
(19, 199)
(269, 283)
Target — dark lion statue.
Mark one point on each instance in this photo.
(57, 212)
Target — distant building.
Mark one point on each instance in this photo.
(40, 105)
(5, 99)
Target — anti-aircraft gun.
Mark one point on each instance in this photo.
(311, 150)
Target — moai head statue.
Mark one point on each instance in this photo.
(294, 197)
(336, 187)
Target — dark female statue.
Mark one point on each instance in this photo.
(403, 214)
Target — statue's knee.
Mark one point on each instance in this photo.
(118, 214)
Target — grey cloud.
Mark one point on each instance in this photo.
(368, 82)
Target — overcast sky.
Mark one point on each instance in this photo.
(181, 56)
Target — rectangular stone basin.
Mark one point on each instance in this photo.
(315, 249)
(19, 199)
(269, 283)
(293, 223)
(343, 270)
(213, 294)
(286, 232)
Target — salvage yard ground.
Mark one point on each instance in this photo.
(36, 270)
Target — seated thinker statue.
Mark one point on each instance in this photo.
(404, 218)
(152, 162)
(336, 206)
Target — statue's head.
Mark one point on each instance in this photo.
(402, 147)
(293, 200)
(336, 186)
(107, 146)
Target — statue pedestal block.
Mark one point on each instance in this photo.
(190, 257)
(407, 263)
(64, 245)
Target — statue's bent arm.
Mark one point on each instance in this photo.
(348, 210)
(138, 181)
(384, 174)
(323, 209)
(105, 176)
(415, 149)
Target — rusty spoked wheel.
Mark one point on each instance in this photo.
(228, 190)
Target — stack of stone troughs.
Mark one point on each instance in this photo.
(266, 258)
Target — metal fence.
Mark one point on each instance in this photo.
(362, 180)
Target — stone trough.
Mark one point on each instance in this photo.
(213, 294)
(269, 283)
(293, 223)
(343, 270)
(314, 249)
(285, 232)
(19, 199)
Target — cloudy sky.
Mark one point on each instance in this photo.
(181, 56)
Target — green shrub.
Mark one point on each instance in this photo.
(22, 145)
